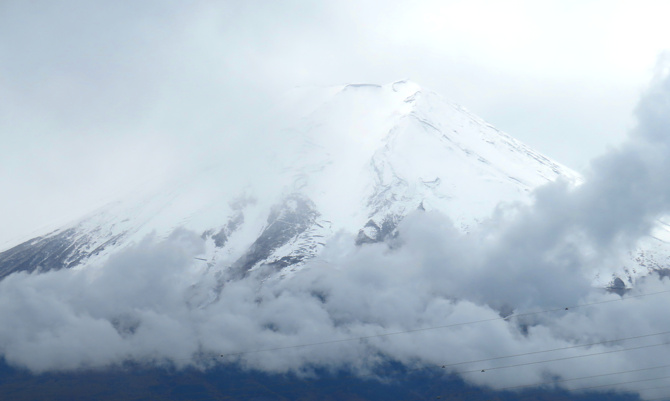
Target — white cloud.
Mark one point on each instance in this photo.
(207, 74)
(137, 307)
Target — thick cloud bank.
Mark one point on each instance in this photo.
(142, 306)
(148, 304)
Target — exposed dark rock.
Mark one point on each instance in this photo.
(617, 286)
(372, 233)
(285, 222)
(221, 237)
(51, 252)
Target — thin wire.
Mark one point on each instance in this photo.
(512, 366)
(487, 359)
(537, 362)
(437, 327)
(616, 384)
(222, 392)
(526, 363)
(619, 383)
(501, 357)
(540, 352)
(652, 388)
(562, 359)
(443, 366)
(407, 371)
(567, 380)
(555, 349)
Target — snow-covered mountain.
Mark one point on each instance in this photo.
(356, 158)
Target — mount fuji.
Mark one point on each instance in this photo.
(356, 158)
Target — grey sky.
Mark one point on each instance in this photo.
(98, 96)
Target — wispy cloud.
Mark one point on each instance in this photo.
(140, 304)
(86, 83)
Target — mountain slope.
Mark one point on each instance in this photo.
(356, 158)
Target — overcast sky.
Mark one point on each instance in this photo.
(98, 96)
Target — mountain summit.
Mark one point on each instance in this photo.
(356, 158)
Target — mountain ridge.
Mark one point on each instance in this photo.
(358, 161)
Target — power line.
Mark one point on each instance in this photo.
(439, 327)
(527, 385)
(562, 359)
(536, 352)
(546, 361)
(523, 386)
(443, 366)
(556, 349)
(487, 359)
(490, 359)
(500, 357)
(619, 383)
(221, 392)
(526, 363)
(653, 388)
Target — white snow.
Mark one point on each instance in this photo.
(359, 152)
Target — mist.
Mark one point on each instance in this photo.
(146, 304)
(101, 98)
(113, 95)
